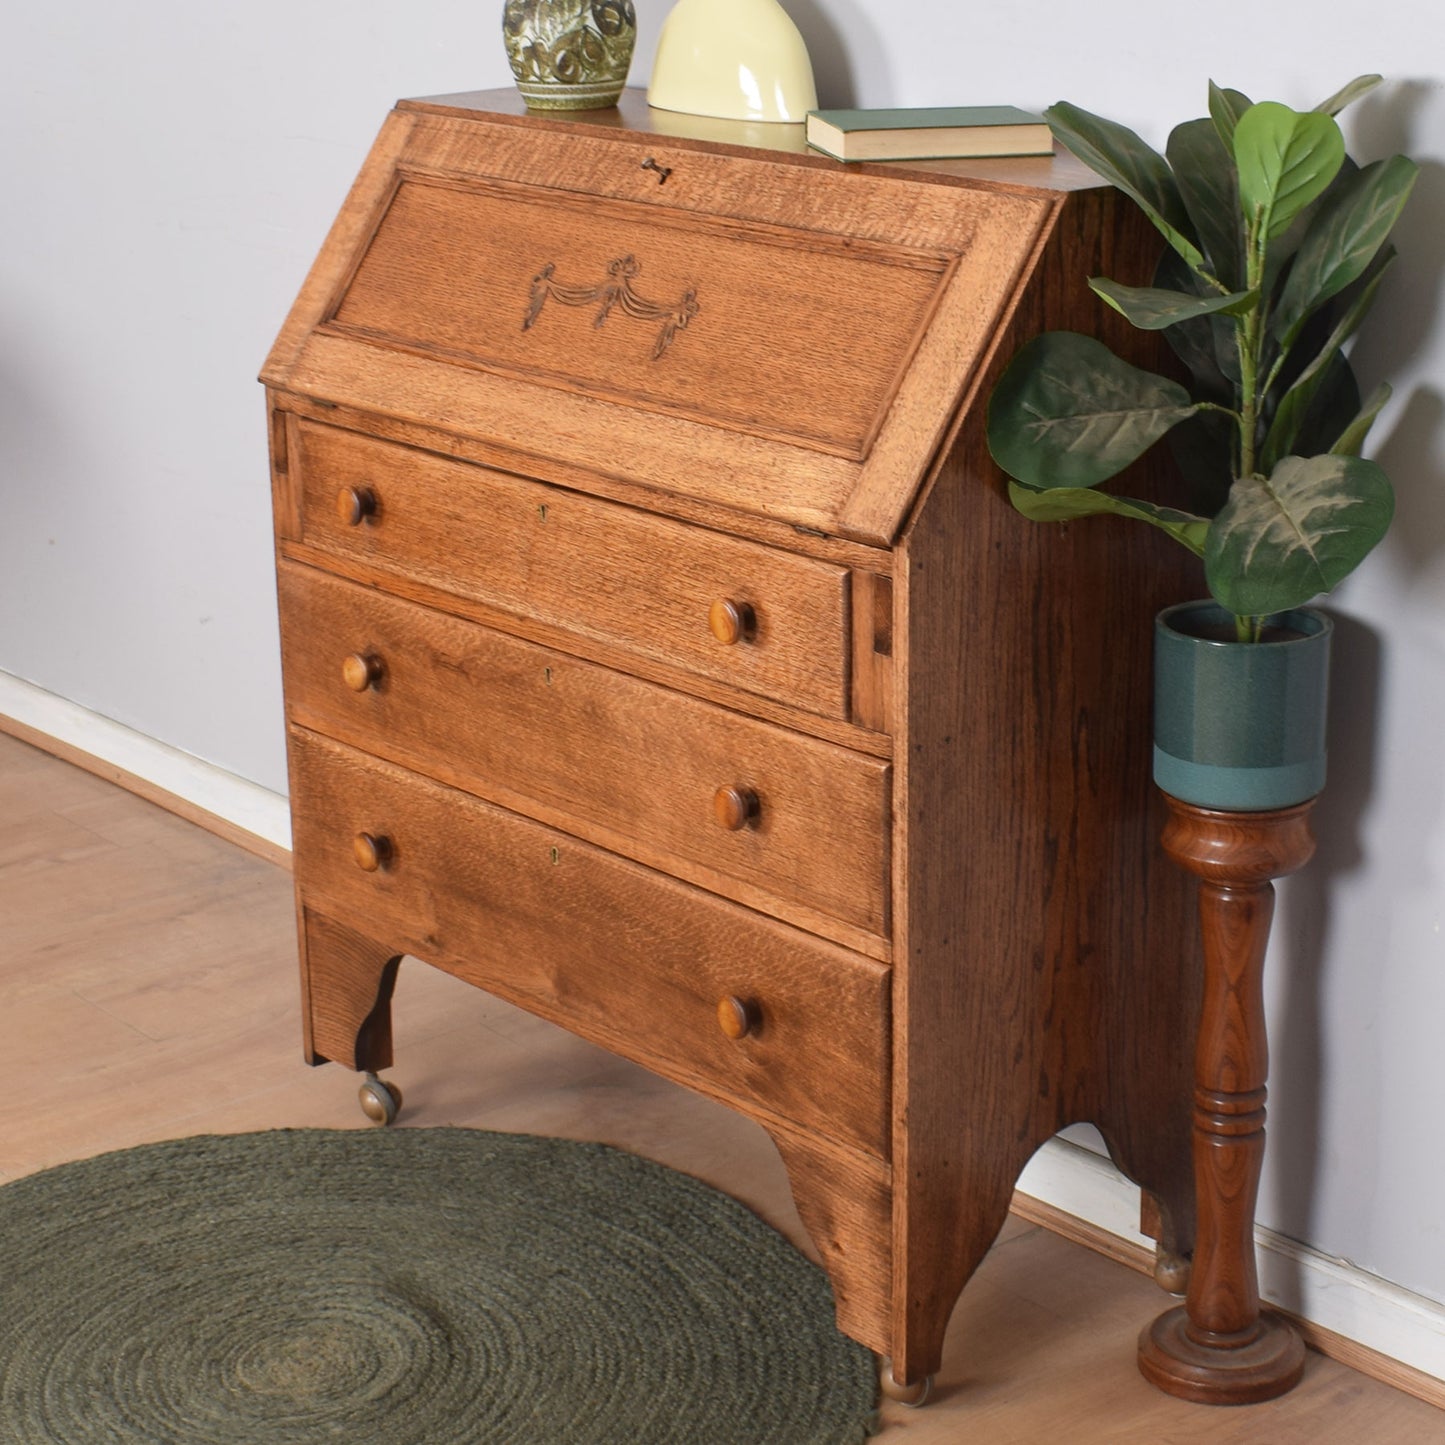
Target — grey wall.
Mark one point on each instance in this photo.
(170, 169)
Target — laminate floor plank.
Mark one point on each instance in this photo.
(148, 986)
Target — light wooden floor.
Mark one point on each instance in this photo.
(147, 988)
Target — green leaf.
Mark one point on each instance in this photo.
(1151, 309)
(1295, 405)
(1344, 236)
(1352, 439)
(1206, 345)
(1282, 248)
(1348, 94)
(1069, 413)
(1283, 436)
(1203, 450)
(1138, 170)
(1225, 109)
(1281, 540)
(1204, 172)
(1063, 504)
(1285, 160)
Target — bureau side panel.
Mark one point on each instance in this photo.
(1045, 953)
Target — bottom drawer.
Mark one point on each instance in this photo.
(648, 967)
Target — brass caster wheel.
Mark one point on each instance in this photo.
(380, 1100)
(915, 1396)
(1171, 1271)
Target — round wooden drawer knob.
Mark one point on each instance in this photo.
(738, 1017)
(354, 505)
(372, 851)
(736, 808)
(361, 670)
(732, 622)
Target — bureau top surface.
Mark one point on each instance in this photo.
(633, 116)
(663, 301)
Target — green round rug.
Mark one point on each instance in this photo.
(408, 1287)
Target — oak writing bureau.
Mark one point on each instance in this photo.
(662, 654)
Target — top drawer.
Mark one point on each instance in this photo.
(658, 588)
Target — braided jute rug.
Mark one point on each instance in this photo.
(408, 1287)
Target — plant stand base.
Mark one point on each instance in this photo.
(1267, 1363)
(1220, 1348)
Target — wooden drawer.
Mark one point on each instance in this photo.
(633, 766)
(603, 571)
(611, 950)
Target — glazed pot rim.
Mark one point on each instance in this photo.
(1311, 625)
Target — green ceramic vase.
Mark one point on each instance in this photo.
(1240, 726)
(569, 54)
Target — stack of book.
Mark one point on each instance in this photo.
(928, 134)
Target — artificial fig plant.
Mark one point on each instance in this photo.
(1276, 245)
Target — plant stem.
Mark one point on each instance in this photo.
(1248, 629)
(1249, 334)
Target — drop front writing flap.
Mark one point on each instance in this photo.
(759, 331)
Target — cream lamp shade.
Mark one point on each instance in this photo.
(735, 59)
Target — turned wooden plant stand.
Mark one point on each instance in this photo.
(1220, 1348)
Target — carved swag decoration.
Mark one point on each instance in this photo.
(615, 291)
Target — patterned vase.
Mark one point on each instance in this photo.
(569, 54)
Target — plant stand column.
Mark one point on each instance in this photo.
(1220, 1348)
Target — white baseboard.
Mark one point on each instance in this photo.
(1332, 1293)
(245, 805)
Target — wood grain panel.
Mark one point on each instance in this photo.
(599, 570)
(616, 952)
(1045, 969)
(739, 322)
(845, 1202)
(631, 765)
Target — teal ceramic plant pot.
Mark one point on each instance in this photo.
(1240, 725)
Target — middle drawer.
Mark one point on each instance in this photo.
(772, 818)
